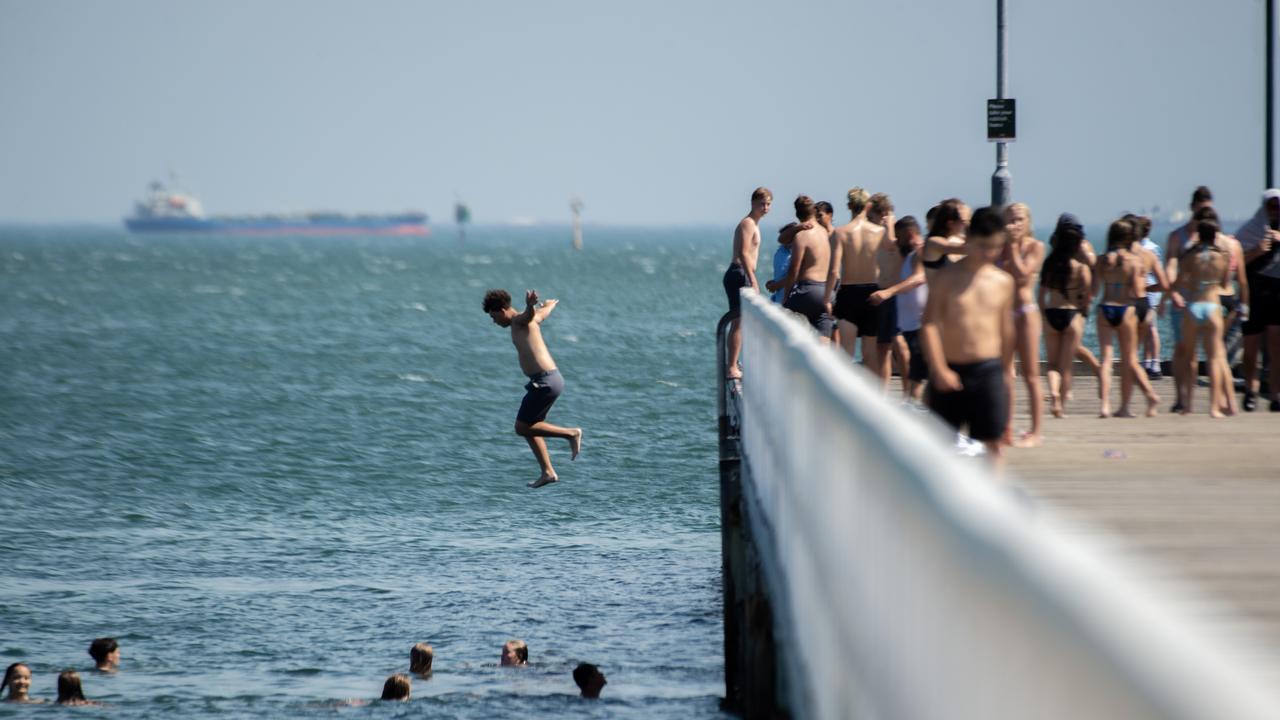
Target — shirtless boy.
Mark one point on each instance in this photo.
(968, 336)
(889, 342)
(742, 269)
(853, 266)
(545, 383)
(805, 283)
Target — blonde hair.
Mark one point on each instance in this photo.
(857, 198)
(1021, 207)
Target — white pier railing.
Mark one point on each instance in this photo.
(909, 584)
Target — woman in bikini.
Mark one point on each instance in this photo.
(1204, 269)
(1064, 290)
(945, 242)
(1024, 255)
(1152, 270)
(1122, 276)
(1235, 306)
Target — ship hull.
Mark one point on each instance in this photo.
(387, 225)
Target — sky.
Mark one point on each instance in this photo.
(658, 113)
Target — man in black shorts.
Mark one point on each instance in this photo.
(1260, 240)
(545, 383)
(806, 278)
(968, 336)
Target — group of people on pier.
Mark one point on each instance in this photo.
(952, 302)
(398, 687)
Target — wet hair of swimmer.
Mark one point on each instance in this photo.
(397, 687)
(986, 221)
(69, 688)
(1205, 213)
(102, 647)
(420, 657)
(944, 214)
(589, 680)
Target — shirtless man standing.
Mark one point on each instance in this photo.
(968, 336)
(545, 383)
(889, 342)
(853, 265)
(742, 269)
(805, 283)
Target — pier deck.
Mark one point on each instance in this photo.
(1200, 497)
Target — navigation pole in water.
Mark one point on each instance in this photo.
(1001, 117)
(462, 216)
(576, 206)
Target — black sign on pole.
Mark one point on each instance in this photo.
(1001, 120)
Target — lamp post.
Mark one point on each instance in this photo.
(1001, 181)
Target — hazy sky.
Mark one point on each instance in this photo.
(655, 113)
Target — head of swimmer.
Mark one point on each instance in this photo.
(761, 201)
(18, 678)
(497, 305)
(987, 235)
(397, 687)
(420, 659)
(589, 680)
(514, 652)
(1272, 205)
(105, 652)
(1201, 197)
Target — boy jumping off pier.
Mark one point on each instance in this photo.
(545, 383)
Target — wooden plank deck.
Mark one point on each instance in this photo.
(1199, 497)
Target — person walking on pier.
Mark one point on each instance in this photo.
(1179, 240)
(1260, 240)
(742, 270)
(1065, 286)
(1203, 270)
(968, 336)
(545, 383)
(1149, 330)
(1024, 255)
(1121, 276)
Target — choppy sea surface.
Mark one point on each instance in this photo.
(270, 466)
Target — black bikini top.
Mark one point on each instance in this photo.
(935, 264)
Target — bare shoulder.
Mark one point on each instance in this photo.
(998, 277)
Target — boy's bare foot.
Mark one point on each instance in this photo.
(1029, 440)
(544, 479)
(1105, 412)
(1055, 406)
(735, 373)
(1123, 413)
(1153, 406)
(575, 444)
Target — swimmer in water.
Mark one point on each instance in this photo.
(70, 692)
(545, 383)
(17, 677)
(515, 653)
(398, 687)
(968, 336)
(589, 679)
(420, 658)
(106, 654)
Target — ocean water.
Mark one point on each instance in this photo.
(270, 466)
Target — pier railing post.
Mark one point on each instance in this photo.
(732, 547)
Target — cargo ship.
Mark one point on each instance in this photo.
(167, 210)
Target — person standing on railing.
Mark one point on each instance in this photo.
(968, 336)
(742, 270)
